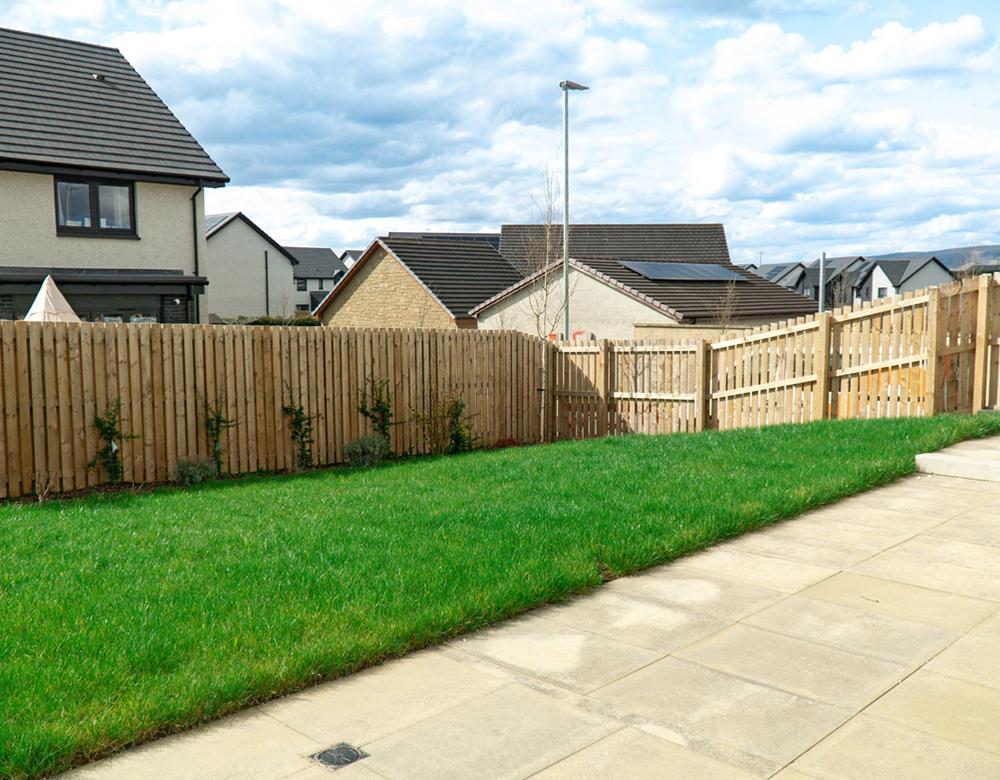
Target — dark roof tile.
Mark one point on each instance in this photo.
(53, 111)
(316, 262)
(460, 273)
(533, 246)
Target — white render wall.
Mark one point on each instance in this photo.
(593, 307)
(236, 282)
(163, 222)
(930, 275)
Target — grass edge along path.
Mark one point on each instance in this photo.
(125, 617)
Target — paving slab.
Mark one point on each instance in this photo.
(953, 483)
(510, 733)
(982, 557)
(706, 593)
(378, 701)
(722, 714)
(868, 747)
(972, 658)
(552, 651)
(854, 630)
(729, 562)
(316, 771)
(843, 531)
(907, 602)
(806, 668)
(638, 755)
(969, 466)
(903, 566)
(952, 709)
(980, 526)
(636, 621)
(247, 746)
(815, 551)
(989, 628)
(874, 516)
(915, 501)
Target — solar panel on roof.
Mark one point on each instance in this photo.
(683, 272)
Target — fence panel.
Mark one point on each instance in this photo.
(56, 378)
(934, 351)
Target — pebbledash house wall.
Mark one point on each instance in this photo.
(383, 294)
(162, 218)
(236, 279)
(593, 307)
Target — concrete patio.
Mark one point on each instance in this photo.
(858, 641)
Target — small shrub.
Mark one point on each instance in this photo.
(376, 405)
(109, 428)
(302, 432)
(302, 320)
(215, 423)
(193, 471)
(444, 429)
(367, 451)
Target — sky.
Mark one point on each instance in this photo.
(803, 125)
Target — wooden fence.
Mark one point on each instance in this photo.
(919, 354)
(56, 378)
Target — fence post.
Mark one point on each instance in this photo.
(979, 365)
(821, 363)
(550, 352)
(930, 378)
(601, 385)
(702, 384)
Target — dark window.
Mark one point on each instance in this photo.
(882, 292)
(95, 208)
(319, 285)
(300, 285)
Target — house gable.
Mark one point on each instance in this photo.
(249, 273)
(379, 291)
(595, 306)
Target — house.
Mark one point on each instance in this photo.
(841, 277)
(786, 274)
(318, 271)
(882, 278)
(841, 274)
(350, 256)
(418, 282)
(101, 187)
(675, 279)
(249, 273)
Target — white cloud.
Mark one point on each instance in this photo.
(895, 50)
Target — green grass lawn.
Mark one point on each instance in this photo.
(125, 616)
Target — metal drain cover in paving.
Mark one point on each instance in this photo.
(339, 755)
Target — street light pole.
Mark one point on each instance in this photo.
(566, 86)
(822, 282)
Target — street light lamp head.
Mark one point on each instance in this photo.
(567, 85)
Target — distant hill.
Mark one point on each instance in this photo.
(953, 258)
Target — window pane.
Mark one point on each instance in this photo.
(300, 285)
(73, 204)
(114, 206)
